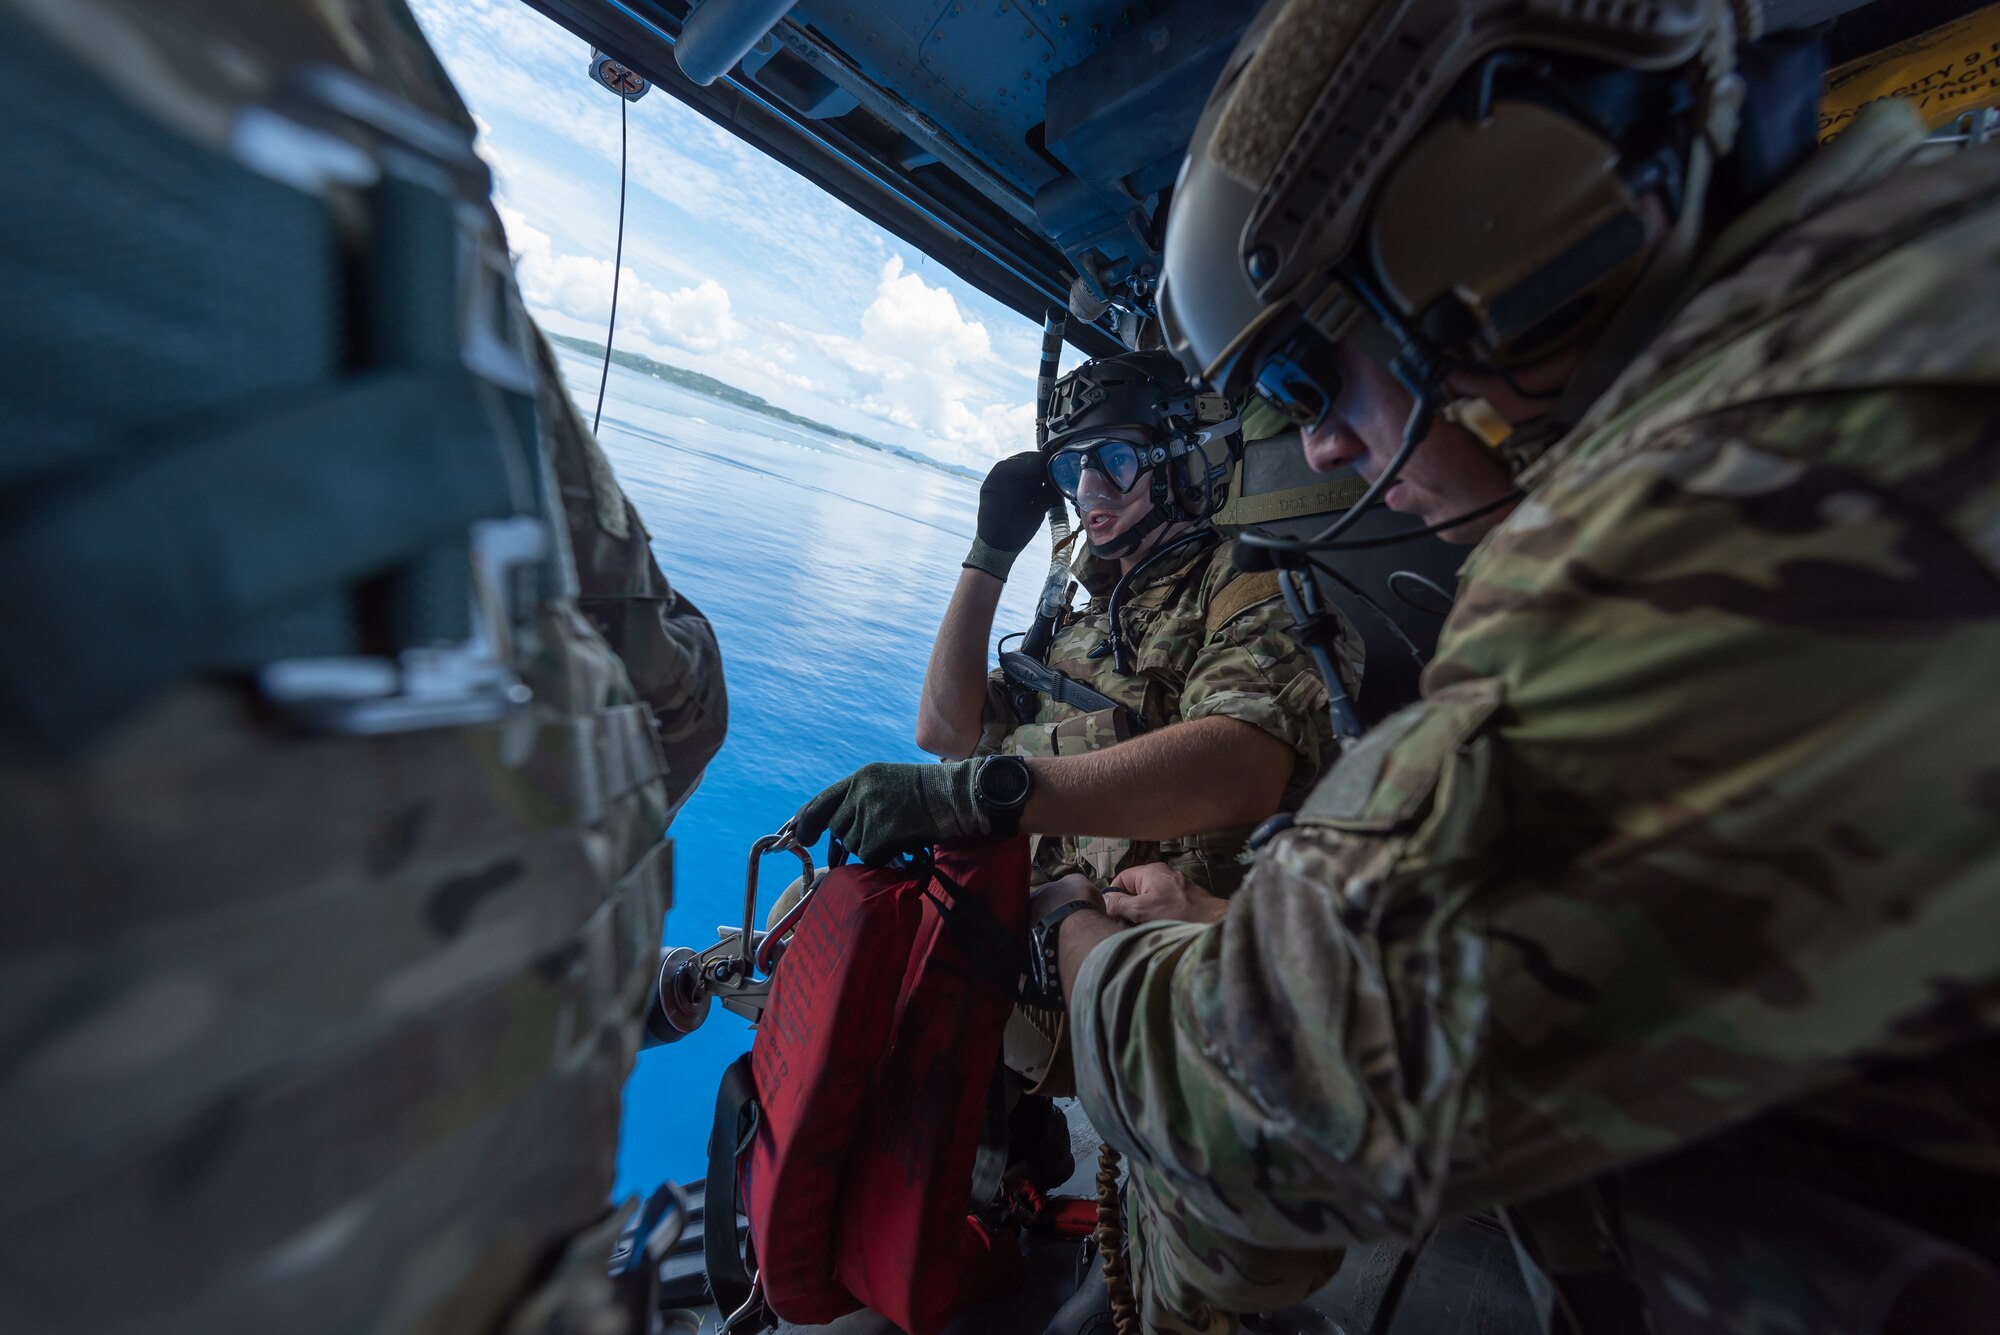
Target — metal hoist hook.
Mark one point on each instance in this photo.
(752, 951)
(736, 969)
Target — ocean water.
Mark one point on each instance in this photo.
(825, 567)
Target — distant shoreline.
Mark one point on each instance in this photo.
(710, 387)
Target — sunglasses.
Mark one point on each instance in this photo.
(1119, 462)
(1299, 375)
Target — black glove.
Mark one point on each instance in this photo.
(884, 809)
(1012, 502)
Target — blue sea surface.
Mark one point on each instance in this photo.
(825, 567)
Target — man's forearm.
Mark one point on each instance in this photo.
(948, 715)
(1190, 778)
(1078, 935)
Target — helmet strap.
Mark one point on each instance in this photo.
(1125, 543)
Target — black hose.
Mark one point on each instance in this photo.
(1316, 630)
(1121, 652)
(1054, 325)
(1035, 643)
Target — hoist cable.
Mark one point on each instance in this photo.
(617, 264)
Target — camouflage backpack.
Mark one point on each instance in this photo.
(332, 823)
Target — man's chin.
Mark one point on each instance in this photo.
(1113, 540)
(1426, 510)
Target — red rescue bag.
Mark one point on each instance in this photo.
(813, 1078)
(909, 1249)
(855, 1120)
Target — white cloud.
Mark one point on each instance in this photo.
(916, 363)
(733, 264)
(694, 319)
(910, 316)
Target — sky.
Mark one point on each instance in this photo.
(733, 265)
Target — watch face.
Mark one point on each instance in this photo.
(1003, 781)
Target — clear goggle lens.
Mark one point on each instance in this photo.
(1117, 461)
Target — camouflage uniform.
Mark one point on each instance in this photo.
(1245, 665)
(1692, 846)
(307, 1030)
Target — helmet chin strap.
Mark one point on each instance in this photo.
(1125, 543)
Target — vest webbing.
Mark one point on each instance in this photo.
(131, 580)
(224, 418)
(1268, 507)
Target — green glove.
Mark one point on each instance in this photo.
(881, 810)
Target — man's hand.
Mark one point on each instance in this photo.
(1156, 892)
(1012, 501)
(1046, 899)
(881, 810)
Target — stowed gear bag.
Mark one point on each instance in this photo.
(853, 1125)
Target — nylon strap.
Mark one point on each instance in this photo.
(989, 1165)
(1315, 498)
(125, 583)
(1239, 595)
(735, 1122)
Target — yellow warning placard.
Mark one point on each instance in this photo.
(1945, 72)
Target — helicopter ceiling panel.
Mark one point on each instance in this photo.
(1028, 145)
(1025, 144)
(992, 61)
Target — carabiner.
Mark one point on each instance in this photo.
(783, 839)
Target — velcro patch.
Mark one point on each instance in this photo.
(1239, 595)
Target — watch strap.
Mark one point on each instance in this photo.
(1003, 820)
(1044, 937)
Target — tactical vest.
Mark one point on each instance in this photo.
(333, 830)
(1165, 622)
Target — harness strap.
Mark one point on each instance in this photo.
(987, 947)
(736, 1112)
(1315, 498)
(976, 929)
(989, 1165)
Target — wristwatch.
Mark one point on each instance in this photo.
(1001, 786)
(1044, 963)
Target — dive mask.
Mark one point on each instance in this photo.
(1118, 462)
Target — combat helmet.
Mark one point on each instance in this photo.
(1195, 438)
(1451, 184)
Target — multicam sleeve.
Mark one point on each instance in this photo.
(1253, 1066)
(1701, 813)
(996, 716)
(666, 644)
(1253, 669)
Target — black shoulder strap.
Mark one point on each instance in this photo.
(735, 1120)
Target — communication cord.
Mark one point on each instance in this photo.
(617, 264)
